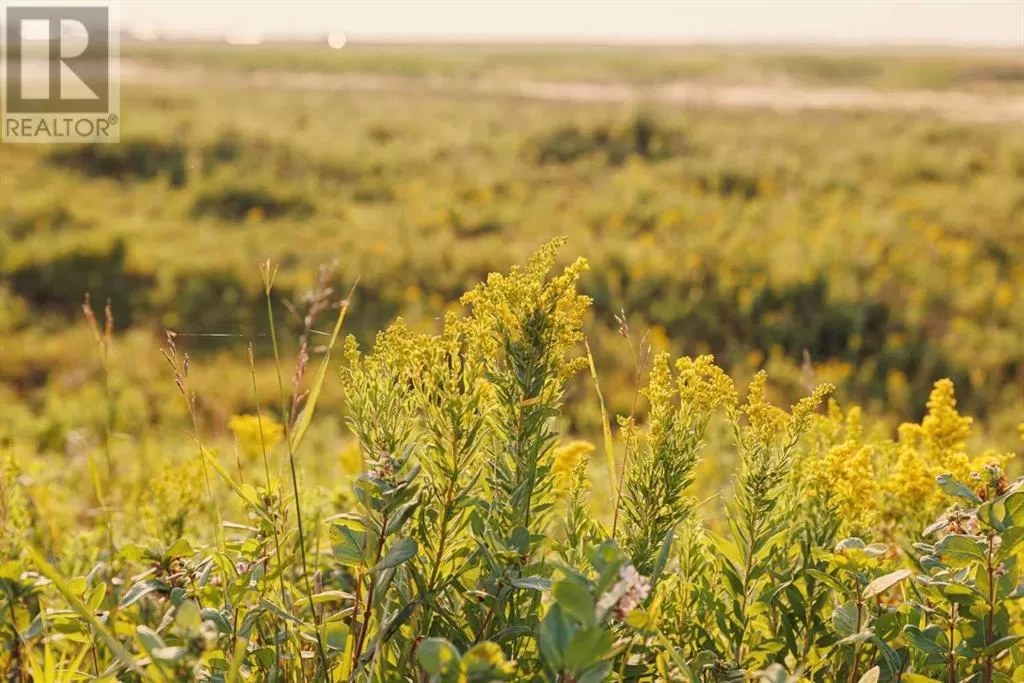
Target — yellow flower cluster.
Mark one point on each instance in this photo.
(765, 419)
(836, 465)
(509, 303)
(846, 473)
(249, 437)
(703, 386)
(924, 451)
(700, 386)
(566, 462)
(376, 388)
(944, 428)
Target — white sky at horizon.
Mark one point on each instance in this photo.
(995, 23)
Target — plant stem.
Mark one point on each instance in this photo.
(274, 516)
(952, 633)
(744, 604)
(295, 479)
(365, 626)
(625, 455)
(860, 617)
(991, 608)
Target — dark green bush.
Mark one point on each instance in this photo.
(237, 203)
(61, 283)
(142, 159)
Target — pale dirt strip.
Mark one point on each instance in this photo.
(785, 97)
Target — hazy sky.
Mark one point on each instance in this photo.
(934, 22)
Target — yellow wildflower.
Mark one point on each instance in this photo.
(944, 428)
(923, 452)
(766, 420)
(847, 474)
(526, 302)
(246, 429)
(566, 461)
(703, 386)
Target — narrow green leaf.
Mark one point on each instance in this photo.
(955, 488)
(104, 634)
(306, 416)
(666, 551)
(398, 553)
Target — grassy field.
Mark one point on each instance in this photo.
(872, 250)
(886, 245)
(993, 71)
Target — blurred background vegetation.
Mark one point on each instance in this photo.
(873, 239)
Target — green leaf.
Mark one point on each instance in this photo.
(1013, 503)
(141, 590)
(596, 674)
(587, 647)
(575, 600)
(1001, 645)
(666, 551)
(852, 543)
(181, 547)
(438, 656)
(398, 553)
(169, 654)
(1012, 541)
(727, 549)
(188, 617)
(918, 678)
(871, 675)
(554, 635)
(279, 611)
(148, 638)
(884, 583)
(531, 583)
(220, 618)
(956, 488)
(306, 416)
(350, 546)
(844, 619)
(327, 597)
(924, 641)
(960, 550)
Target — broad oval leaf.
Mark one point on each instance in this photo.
(884, 583)
(871, 675)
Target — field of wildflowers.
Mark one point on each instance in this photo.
(457, 539)
(718, 432)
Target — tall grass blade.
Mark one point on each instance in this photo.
(306, 416)
(606, 427)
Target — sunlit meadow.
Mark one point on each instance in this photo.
(302, 386)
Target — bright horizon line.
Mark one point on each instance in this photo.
(794, 44)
